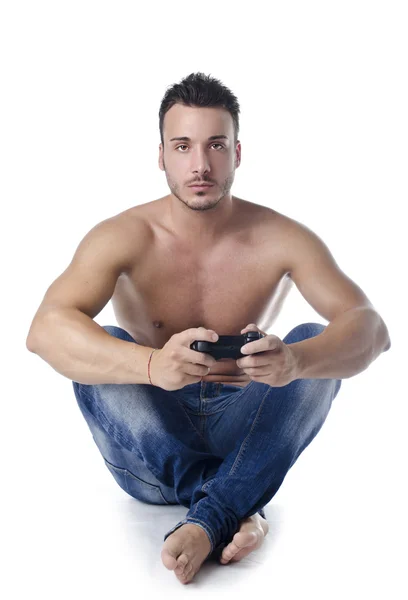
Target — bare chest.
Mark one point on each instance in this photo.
(172, 289)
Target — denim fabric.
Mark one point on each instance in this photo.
(220, 450)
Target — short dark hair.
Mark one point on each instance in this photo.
(198, 89)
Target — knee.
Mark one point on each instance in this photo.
(119, 333)
(303, 332)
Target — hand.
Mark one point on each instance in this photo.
(177, 365)
(269, 360)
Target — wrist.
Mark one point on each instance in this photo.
(149, 366)
(299, 360)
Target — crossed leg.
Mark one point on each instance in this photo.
(222, 494)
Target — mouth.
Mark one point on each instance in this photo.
(198, 187)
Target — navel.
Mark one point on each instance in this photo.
(158, 324)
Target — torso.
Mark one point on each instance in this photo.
(170, 288)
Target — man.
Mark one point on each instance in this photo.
(174, 425)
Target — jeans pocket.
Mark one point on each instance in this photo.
(136, 487)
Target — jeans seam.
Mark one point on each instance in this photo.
(192, 424)
(116, 435)
(237, 396)
(107, 425)
(204, 421)
(246, 440)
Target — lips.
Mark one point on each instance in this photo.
(201, 185)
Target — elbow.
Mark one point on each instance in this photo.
(36, 332)
(33, 338)
(30, 344)
(386, 336)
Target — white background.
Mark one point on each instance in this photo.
(323, 93)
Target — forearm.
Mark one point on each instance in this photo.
(348, 345)
(81, 350)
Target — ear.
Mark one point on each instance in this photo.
(238, 155)
(161, 165)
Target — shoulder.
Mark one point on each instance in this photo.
(261, 214)
(142, 219)
(284, 228)
(299, 237)
(268, 223)
(125, 234)
(303, 248)
(256, 219)
(131, 224)
(289, 239)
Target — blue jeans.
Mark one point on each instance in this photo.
(218, 449)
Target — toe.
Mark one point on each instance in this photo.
(186, 576)
(239, 543)
(229, 552)
(182, 563)
(189, 576)
(168, 559)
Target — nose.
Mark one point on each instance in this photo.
(200, 163)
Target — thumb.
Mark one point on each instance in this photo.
(252, 327)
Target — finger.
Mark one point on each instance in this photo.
(196, 370)
(200, 334)
(264, 372)
(268, 342)
(253, 327)
(200, 358)
(253, 363)
(254, 347)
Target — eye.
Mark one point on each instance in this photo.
(184, 146)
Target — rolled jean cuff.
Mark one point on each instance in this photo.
(201, 524)
(208, 531)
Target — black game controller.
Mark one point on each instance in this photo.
(227, 346)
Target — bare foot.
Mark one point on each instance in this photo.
(185, 550)
(250, 536)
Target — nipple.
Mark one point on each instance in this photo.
(157, 324)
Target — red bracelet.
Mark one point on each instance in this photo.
(148, 366)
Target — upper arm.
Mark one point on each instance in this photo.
(318, 277)
(89, 281)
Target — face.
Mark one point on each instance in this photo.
(199, 159)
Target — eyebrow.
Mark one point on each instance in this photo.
(187, 139)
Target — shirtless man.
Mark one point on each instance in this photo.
(192, 263)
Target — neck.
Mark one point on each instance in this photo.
(200, 221)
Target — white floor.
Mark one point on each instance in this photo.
(337, 525)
